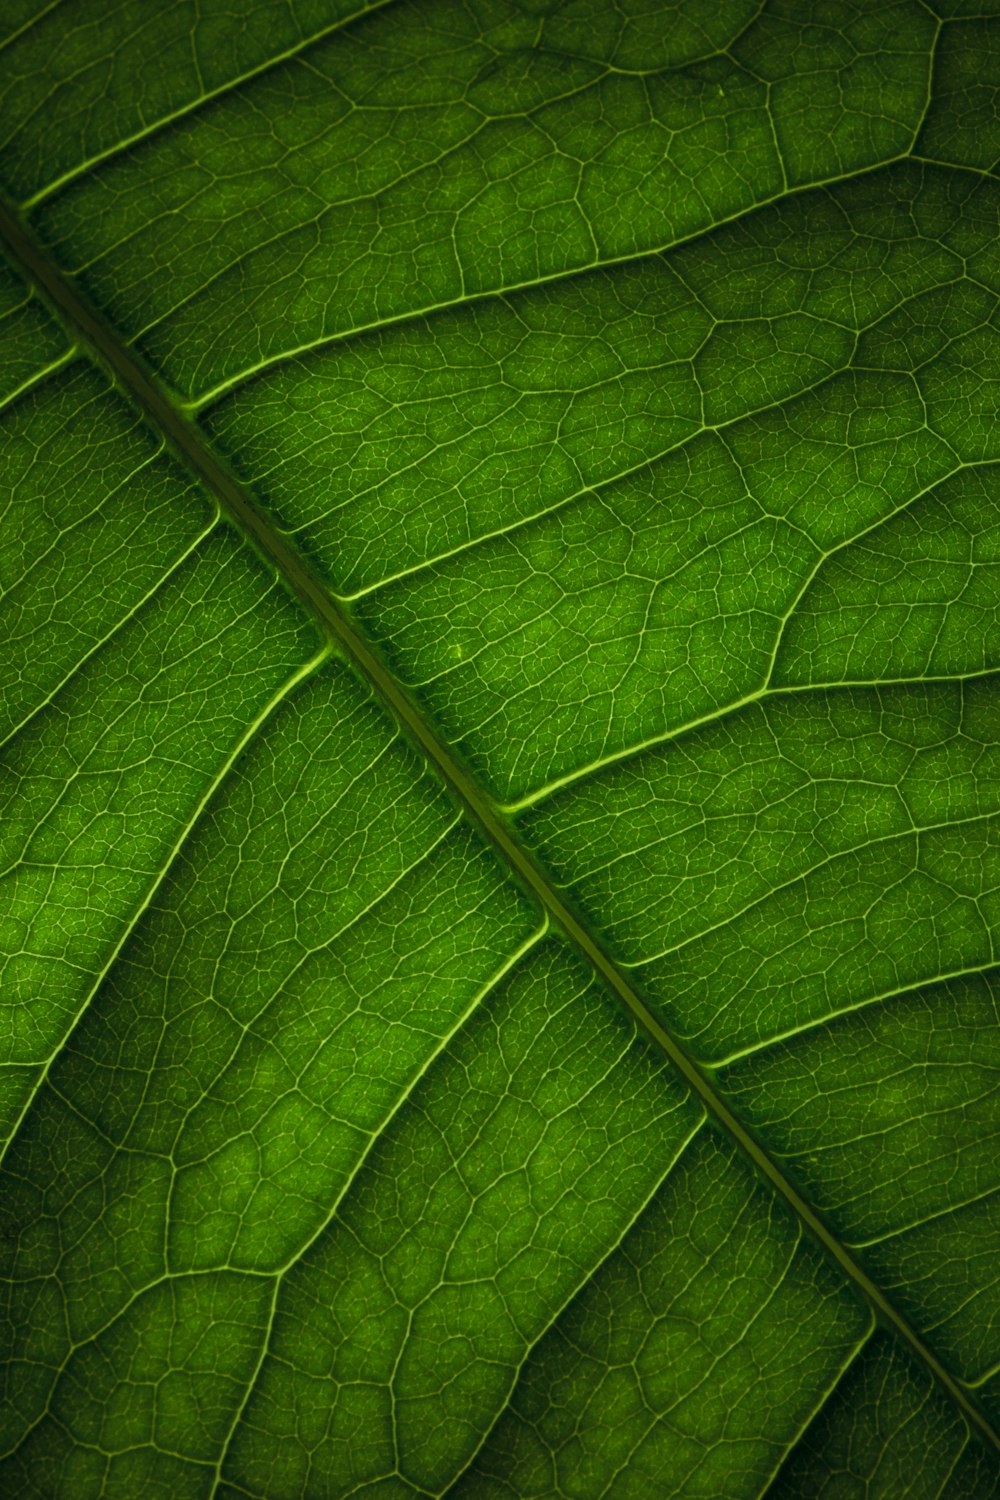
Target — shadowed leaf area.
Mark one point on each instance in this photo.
(500, 736)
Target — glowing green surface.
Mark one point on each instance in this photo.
(500, 587)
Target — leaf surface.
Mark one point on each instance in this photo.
(500, 743)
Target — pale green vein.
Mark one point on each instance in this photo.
(716, 1064)
(226, 766)
(931, 61)
(89, 164)
(39, 377)
(898, 835)
(46, 1413)
(559, 1311)
(954, 1465)
(199, 403)
(941, 1213)
(766, 689)
(119, 625)
(648, 461)
(31, 23)
(828, 1391)
(375, 1135)
(984, 1378)
(724, 711)
(287, 977)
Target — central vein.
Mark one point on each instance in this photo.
(337, 625)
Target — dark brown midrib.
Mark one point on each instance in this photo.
(189, 444)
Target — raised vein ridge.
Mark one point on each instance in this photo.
(339, 629)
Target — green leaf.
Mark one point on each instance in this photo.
(501, 750)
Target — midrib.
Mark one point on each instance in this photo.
(335, 623)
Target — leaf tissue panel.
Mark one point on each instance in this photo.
(500, 735)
